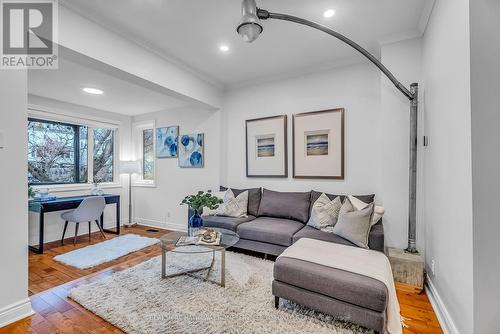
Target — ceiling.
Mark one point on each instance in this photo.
(120, 96)
(190, 32)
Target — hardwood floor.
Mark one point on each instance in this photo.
(419, 317)
(45, 273)
(50, 281)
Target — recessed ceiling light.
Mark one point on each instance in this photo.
(94, 91)
(224, 48)
(329, 13)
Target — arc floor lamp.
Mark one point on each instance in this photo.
(250, 28)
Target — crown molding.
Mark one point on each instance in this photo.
(426, 15)
(315, 69)
(399, 37)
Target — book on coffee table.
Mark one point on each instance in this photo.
(186, 241)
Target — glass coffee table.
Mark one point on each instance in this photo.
(168, 244)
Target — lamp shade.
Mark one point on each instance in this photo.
(249, 27)
(130, 167)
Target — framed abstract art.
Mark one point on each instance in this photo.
(318, 144)
(191, 150)
(167, 141)
(266, 147)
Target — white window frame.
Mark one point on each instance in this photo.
(137, 137)
(90, 123)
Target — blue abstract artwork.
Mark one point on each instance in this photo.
(191, 150)
(167, 141)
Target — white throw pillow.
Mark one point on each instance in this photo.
(358, 204)
(209, 212)
(324, 213)
(233, 206)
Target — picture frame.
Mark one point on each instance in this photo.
(192, 150)
(167, 142)
(267, 147)
(318, 144)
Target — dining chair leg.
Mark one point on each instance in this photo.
(100, 229)
(64, 232)
(76, 233)
(89, 232)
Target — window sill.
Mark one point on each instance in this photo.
(59, 188)
(144, 184)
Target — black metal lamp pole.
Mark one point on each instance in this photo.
(250, 28)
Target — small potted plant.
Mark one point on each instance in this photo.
(31, 192)
(197, 203)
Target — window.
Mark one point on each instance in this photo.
(55, 151)
(103, 155)
(148, 155)
(59, 153)
(144, 140)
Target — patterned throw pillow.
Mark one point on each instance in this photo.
(324, 213)
(378, 211)
(354, 225)
(233, 206)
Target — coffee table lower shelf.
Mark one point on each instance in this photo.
(193, 272)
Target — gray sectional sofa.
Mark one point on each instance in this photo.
(278, 219)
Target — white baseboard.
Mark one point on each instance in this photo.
(161, 224)
(51, 235)
(444, 317)
(15, 312)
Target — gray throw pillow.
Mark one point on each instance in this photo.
(354, 225)
(289, 205)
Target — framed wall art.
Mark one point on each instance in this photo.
(266, 147)
(167, 142)
(318, 144)
(191, 150)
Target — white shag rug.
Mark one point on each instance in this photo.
(105, 251)
(138, 300)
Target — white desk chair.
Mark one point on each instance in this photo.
(90, 210)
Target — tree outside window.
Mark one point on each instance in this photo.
(148, 157)
(58, 153)
(103, 155)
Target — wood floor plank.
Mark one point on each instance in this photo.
(49, 283)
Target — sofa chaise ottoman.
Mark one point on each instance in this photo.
(305, 274)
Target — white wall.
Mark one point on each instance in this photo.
(403, 59)
(356, 88)
(447, 165)
(160, 205)
(53, 223)
(14, 302)
(485, 74)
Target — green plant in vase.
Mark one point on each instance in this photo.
(197, 203)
